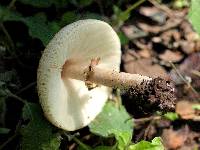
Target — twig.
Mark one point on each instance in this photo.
(138, 3)
(81, 144)
(120, 19)
(72, 146)
(11, 4)
(146, 132)
(171, 23)
(73, 137)
(195, 72)
(12, 45)
(162, 7)
(8, 141)
(10, 94)
(12, 137)
(147, 119)
(25, 88)
(183, 79)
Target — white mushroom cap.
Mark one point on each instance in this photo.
(68, 104)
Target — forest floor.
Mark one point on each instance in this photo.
(157, 41)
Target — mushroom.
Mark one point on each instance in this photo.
(76, 71)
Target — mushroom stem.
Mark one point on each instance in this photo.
(156, 92)
(99, 76)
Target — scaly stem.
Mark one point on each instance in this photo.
(106, 77)
(157, 92)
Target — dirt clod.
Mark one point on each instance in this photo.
(157, 94)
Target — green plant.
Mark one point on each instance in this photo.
(194, 15)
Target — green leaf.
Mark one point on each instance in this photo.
(196, 106)
(8, 15)
(124, 40)
(40, 28)
(4, 130)
(157, 141)
(180, 4)
(113, 121)
(104, 148)
(89, 15)
(123, 139)
(121, 15)
(69, 17)
(155, 144)
(38, 3)
(38, 25)
(81, 3)
(171, 116)
(194, 16)
(84, 147)
(45, 3)
(61, 3)
(38, 133)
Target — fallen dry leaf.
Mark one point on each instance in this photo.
(154, 13)
(186, 69)
(173, 56)
(145, 49)
(143, 66)
(186, 110)
(171, 23)
(174, 139)
(192, 36)
(132, 32)
(145, 53)
(171, 38)
(187, 46)
(186, 27)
